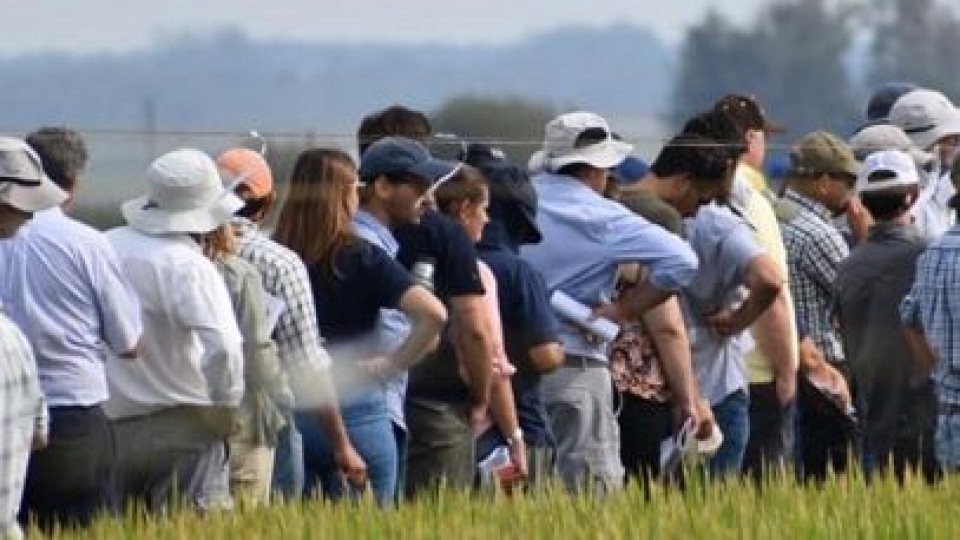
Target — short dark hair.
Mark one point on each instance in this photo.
(701, 158)
(62, 153)
(720, 126)
(575, 170)
(394, 120)
(889, 204)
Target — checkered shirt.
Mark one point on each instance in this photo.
(933, 305)
(22, 412)
(815, 249)
(285, 277)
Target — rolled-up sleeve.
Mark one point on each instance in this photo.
(671, 262)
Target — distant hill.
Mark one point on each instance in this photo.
(229, 82)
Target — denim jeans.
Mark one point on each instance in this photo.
(733, 418)
(288, 462)
(371, 432)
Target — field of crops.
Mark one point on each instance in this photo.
(844, 508)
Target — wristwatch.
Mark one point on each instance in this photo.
(515, 437)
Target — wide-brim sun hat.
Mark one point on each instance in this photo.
(23, 184)
(185, 194)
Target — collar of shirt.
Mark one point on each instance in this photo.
(243, 226)
(889, 229)
(566, 186)
(809, 205)
(375, 232)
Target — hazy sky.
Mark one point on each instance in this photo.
(117, 25)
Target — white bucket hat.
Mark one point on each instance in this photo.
(926, 116)
(184, 195)
(581, 137)
(23, 184)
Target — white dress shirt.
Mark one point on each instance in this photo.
(61, 282)
(191, 349)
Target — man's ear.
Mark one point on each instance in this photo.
(380, 187)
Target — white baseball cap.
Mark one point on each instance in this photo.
(885, 170)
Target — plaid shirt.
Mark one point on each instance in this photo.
(933, 305)
(22, 413)
(285, 278)
(815, 249)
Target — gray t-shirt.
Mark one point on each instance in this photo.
(726, 244)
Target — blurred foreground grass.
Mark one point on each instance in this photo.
(844, 507)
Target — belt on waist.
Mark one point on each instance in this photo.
(579, 360)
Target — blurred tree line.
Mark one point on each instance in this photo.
(801, 58)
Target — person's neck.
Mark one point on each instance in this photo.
(651, 183)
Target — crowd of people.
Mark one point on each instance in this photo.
(413, 323)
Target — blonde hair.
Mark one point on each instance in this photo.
(220, 243)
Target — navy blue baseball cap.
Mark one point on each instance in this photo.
(404, 158)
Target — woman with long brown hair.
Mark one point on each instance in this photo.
(351, 281)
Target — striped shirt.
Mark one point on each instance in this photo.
(815, 249)
(933, 305)
(22, 413)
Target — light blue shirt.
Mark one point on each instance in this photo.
(62, 283)
(585, 239)
(729, 244)
(392, 325)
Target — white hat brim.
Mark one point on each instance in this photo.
(925, 139)
(146, 217)
(36, 197)
(603, 155)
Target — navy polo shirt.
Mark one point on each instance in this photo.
(442, 239)
(366, 279)
(528, 321)
(456, 273)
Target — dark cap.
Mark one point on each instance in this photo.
(513, 200)
(512, 194)
(883, 98)
(747, 112)
(400, 156)
(482, 155)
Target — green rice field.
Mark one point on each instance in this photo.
(843, 508)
